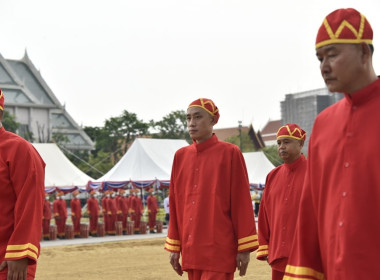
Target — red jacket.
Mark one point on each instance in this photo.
(152, 204)
(47, 210)
(279, 211)
(22, 176)
(76, 209)
(211, 214)
(93, 206)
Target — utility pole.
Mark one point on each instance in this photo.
(240, 136)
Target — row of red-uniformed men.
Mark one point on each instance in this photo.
(116, 206)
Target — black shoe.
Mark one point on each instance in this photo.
(46, 238)
(152, 231)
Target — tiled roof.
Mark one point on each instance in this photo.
(224, 133)
(270, 129)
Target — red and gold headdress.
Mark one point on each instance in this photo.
(344, 26)
(291, 130)
(1, 100)
(208, 105)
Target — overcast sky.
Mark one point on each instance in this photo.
(155, 56)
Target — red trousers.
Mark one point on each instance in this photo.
(94, 224)
(45, 227)
(61, 224)
(76, 225)
(136, 218)
(152, 220)
(194, 274)
(111, 219)
(277, 275)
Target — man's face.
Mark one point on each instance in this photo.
(341, 66)
(199, 123)
(289, 149)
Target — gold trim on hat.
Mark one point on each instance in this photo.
(334, 37)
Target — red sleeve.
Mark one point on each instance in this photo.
(173, 243)
(263, 227)
(27, 173)
(305, 259)
(242, 214)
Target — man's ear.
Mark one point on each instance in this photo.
(302, 142)
(366, 51)
(213, 120)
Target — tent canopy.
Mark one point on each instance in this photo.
(258, 166)
(59, 171)
(146, 159)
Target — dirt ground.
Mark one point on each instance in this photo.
(132, 259)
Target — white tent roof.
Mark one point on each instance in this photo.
(146, 159)
(59, 171)
(258, 166)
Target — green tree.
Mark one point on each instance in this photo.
(172, 126)
(114, 138)
(246, 141)
(9, 122)
(272, 155)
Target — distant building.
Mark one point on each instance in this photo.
(225, 133)
(36, 108)
(269, 132)
(302, 108)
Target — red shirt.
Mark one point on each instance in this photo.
(92, 206)
(151, 202)
(22, 179)
(60, 208)
(76, 209)
(124, 205)
(47, 210)
(338, 231)
(211, 215)
(278, 212)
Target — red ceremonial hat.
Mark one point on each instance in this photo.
(291, 130)
(344, 26)
(92, 192)
(151, 190)
(208, 105)
(1, 100)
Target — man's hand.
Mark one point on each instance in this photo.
(17, 270)
(242, 261)
(174, 261)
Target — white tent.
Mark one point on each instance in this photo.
(258, 166)
(59, 171)
(146, 159)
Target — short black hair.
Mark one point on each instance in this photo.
(371, 47)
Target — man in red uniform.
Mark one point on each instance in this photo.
(212, 223)
(46, 217)
(76, 213)
(152, 206)
(337, 234)
(105, 210)
(111, 213)
(119, 201)
(279, 205)
(22, 176)
(60, 214)
(124, 207)
(93, 213)
(136, 209)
